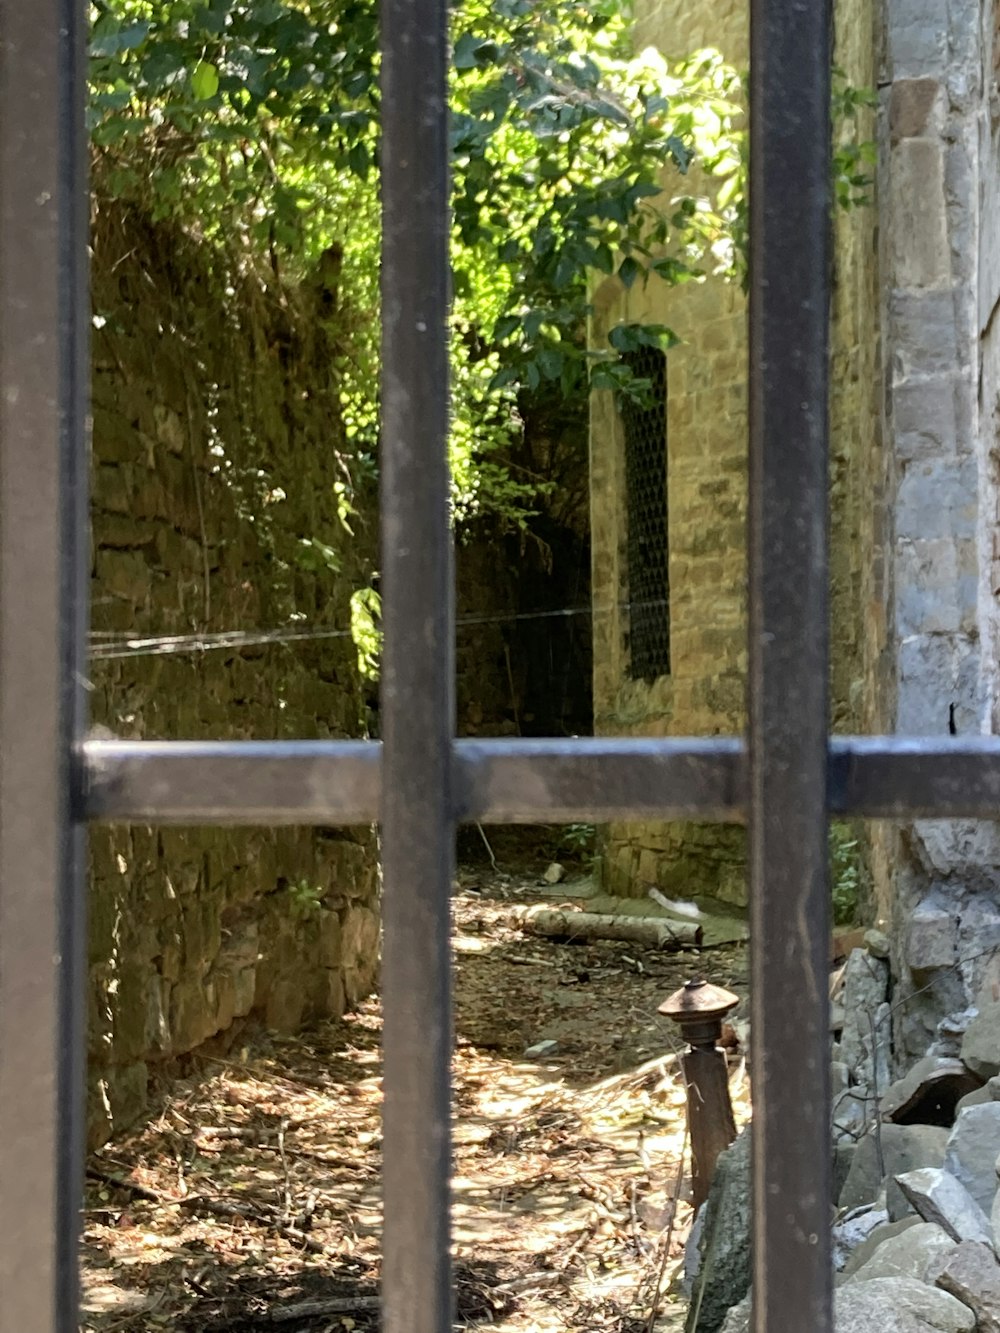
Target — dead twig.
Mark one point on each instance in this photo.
(217, 1207)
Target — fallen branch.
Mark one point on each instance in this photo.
(287, 1314)
(654, 932)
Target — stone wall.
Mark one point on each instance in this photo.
(217, 450)
(706, 449)
(939, 880)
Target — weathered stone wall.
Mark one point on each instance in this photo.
(706, 451)
(940, 881)
(216, 451)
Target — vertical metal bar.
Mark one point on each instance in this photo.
(43, 567)
(418, 670)
(789, 298)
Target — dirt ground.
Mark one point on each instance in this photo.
(251, 1200)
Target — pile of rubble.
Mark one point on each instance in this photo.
(916, 1163)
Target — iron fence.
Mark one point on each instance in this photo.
(420, 783)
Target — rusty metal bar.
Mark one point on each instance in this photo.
(44, 372)
(790, 57)
(418, 835)
(521, 781)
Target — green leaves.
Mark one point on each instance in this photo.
(256, 123)
(204, 81)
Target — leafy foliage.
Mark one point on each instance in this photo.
(255, 122)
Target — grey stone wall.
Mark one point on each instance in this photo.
(217, 447)
(940, 881)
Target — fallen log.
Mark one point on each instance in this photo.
(653, 932)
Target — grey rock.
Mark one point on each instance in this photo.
(972, 1274)
(853, 1232)
(930, 938)
(843, 1155)
(989, 1092)
(541, 1049)
(899, 1305)
(853, 1114)
(981, 1043)
(904, 1148)
(555, 874)
(738, 1318)
(995, 1223)
(909, 1253)
(878, 1237)
(866, 983)
(877, 943)
(692, 1253)
(839, 1079)
(724, 1245)
(939, 1197)
(883, 1305)
(948, 1036)
(972, 1151)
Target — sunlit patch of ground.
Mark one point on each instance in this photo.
(252, 1200)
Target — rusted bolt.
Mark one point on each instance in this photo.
(698, 1009)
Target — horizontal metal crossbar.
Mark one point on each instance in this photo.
(523, 781)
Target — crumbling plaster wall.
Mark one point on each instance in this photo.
(939, 881)
(216, 450)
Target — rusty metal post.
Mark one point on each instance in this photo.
(698, 1009)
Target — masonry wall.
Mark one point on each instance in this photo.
(216, 451)
(706, 452)
(940, 880)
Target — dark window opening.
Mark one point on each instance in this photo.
(645, 427)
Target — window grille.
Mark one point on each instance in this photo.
(645, 428)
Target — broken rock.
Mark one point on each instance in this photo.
(904, 1148)
(910, 1253)
(981, 1043)
(939, 1197)
(972, 1151)
(884, 1305)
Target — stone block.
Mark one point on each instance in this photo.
(928, 417)
(915, 107)
(930, 937)
(934, 670)
(921, 255)
(917, 39)
(937, 499)
(936, 586)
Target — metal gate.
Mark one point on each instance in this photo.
(420, 783)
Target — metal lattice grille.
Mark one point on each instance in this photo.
(645, 427)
